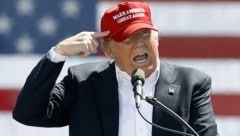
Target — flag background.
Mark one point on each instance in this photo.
(204, 34)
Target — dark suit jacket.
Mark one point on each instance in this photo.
(87, 99)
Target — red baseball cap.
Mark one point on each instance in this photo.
(125, 18)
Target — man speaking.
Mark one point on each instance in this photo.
(96, 99)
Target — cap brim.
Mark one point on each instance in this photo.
(130, 29)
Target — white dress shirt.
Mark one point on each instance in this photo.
(130, 122)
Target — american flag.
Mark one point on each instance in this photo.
(204, 34)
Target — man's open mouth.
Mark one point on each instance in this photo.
(141, 58)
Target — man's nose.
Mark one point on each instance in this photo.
(139, 41)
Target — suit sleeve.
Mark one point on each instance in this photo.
(40, 96)
(202, 116)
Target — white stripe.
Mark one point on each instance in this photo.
(191, 18)
(9, 127)
(224, 72)
(227, 126)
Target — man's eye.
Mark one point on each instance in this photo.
(146, 34)
(127, 40)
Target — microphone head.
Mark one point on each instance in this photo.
(138, 74)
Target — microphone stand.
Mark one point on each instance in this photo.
(138, 78)
(153, 101)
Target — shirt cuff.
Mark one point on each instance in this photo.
(54, 57)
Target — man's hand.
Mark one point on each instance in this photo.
(83, 43)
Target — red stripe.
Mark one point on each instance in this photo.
(223, 104)
(199, 47)
(226, 104)
(8, 98)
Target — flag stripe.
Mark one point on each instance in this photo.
(8, 99)
(224, 72)
(221, 102)
(199, 47)
(226, 104)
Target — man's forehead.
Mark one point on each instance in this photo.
(140, 31)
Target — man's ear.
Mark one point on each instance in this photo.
(108, 51)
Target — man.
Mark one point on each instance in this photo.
(96, 99)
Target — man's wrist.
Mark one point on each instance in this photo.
(53, 56)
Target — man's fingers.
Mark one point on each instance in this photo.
(100, 34)
(95, 43)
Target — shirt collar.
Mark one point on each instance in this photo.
(122, 75)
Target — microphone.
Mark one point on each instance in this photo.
(137, 80)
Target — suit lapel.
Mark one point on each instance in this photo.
(166, 92)
(107, 100)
